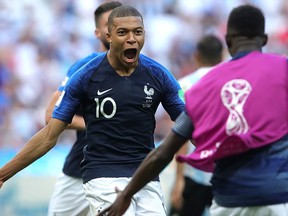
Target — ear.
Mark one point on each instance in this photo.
(97, 33)
(108, 37)
(264, 39)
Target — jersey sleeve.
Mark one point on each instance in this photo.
(74, 91)
(173, 100)
(69, 101)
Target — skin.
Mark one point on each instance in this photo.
(176, 198)
(102, 30)
(125, 33)
(46, 138)
(241, 43)
(35, 148)
(160, 157)
(153, 164)
(100, 33)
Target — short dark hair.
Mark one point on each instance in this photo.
(103, 8)
(210, 48)
(122, 11)
(246, 20)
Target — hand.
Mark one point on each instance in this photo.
(119, 207)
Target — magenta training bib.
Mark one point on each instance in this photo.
(239, 105)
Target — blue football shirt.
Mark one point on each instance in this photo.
(119, 113)
(75, 156)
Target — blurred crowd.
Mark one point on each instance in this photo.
(40, 39)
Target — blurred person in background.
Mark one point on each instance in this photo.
(237, 116)
(5, 79)
(68, 198)
(192, 191)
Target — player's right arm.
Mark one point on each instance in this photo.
(45, 139)
(35, 148)
(77, 121)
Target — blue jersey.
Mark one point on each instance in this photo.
(119, 113)
(72, 162)
(254, 178)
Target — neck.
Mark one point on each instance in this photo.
(121, 69)
(242, 44)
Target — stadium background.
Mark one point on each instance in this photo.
(40, 39)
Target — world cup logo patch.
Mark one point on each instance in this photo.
(234, 95)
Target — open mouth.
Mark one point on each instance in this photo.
(130, 53)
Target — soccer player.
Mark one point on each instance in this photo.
(68, 198)
(118, 92)
(192, 191)
(237, 115)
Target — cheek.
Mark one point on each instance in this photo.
(141, 41)
(116, 44)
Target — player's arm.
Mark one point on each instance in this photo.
(153, 164)
(176, 197)
(35, 148)
(77, 121)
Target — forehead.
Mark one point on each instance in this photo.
(128, 22)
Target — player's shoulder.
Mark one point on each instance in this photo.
(153, 66)
(276, 55)
(86, 71)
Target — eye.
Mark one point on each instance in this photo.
(139, 32)
(121, 32)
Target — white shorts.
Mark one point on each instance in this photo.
(101, 193)
(269, 210)
(68, 198)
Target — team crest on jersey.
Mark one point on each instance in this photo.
(149, 91)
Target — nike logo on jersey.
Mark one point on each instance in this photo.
(103, 92)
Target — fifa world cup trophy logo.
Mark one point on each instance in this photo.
(234, 94)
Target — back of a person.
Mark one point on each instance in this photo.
(241, 93)
(197, 191)
(233, 104)
(244, 100)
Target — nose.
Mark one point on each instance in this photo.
(131, 38)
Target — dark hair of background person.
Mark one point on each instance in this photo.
(107, 6)
(210, 49)
(246, 20)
